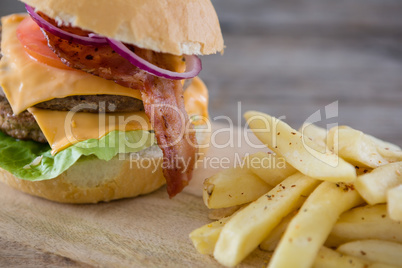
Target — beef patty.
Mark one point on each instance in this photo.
(94, 104)
(22, 126)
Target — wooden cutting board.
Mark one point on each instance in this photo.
(147, 231)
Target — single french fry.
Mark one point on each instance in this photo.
(272, 240)
(248, 228)
(308, 230)
(374, 250)
(302, 154)
(219, 213)
(390, 151)
(355, 147)
(271, 168)
(367, 222)
(390, 155)
(328, 258)
(317, 134)
(231, 187)
(384, 144)
(205, 237)
(373, 186)
(394, 201)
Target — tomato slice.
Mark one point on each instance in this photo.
(35, 44)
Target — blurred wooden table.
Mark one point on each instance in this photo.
(287, 58)
(291, 58)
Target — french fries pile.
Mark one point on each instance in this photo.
(336, 201)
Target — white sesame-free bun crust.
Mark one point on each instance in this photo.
(171, 26)
(95, 180)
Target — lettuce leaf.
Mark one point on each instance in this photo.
(33, 161)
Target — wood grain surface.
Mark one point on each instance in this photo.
(149, 231)
(287, 58)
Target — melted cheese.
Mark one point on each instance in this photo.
(63, 129)
(27, 82)
(196, 99)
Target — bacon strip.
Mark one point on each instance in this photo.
(164, 105)
(162, 98)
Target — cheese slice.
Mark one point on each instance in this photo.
(63, 129)
(27, 82)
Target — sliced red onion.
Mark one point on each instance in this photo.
(92, 39)
(193, 63)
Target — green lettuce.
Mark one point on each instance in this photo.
(33, 161)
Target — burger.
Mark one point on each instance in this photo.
(101, 100)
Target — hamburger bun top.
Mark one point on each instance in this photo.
(171, 26)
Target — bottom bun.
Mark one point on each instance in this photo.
(92, 180)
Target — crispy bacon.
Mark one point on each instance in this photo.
(162, 98)
(164, 104)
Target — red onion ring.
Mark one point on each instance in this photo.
(93, 40)
(193, 63)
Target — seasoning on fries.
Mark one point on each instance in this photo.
(340, 188)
